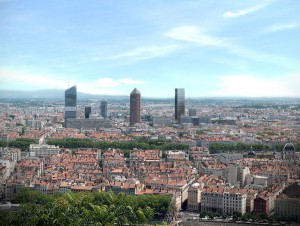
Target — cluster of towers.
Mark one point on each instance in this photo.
(71, 106)
(135, 105)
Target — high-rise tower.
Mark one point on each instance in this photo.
(103, 108)
(135, 107)
(179, 103)
(87, 112)
(70, 103)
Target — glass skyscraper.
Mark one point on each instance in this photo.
(87, 112)
(103, 108)
(70, 103)
(135, 107)
(179, 103)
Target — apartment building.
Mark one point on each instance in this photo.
(212, 200)
(194, 197)
(234, 201)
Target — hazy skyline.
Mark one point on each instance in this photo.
(210, 48)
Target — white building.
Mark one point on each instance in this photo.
(43, 150)
(234, 201)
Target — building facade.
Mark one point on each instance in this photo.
(179, 103)
(194, 197)
(43, 150)
(87, 112)
(103, 108)
(234, 202)
(135, 107)
(192, 112)
(70, 103)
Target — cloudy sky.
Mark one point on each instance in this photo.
(211, 48)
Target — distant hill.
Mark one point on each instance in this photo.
(51, 94)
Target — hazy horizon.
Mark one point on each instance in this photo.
(210, 48)
(59, 94)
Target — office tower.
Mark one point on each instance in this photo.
(70, 103)
(192, 112)
(135, 107)
(103, 108)
(179, 103)
(87, 112)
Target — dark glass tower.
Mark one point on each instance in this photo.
(87, 112)
(103, 108)
(135, 107)
(70, 103)
(179, 103)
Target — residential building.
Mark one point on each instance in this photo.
(194, 197)
(287, 205)
(212, 200)
(234, 201)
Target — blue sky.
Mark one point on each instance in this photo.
(211, 48)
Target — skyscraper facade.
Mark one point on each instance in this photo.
(70, 103)
(192, 112)
(103, 108)
(87, 112)
(179, 103)
(135, 107)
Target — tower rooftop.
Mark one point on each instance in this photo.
(135, 91)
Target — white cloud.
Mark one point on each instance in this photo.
(195, 35)
(254, 86)
(246, 11)
(281, 27)
(105, 83)
(145, 53)
(39, 81)
(129, 81)
(192, 34)
(11, 79)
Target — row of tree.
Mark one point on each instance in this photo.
(98, 208)
(22, 143)
(239, 216)
(144, 144)
(215, 147)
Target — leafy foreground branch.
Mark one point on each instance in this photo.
(99, 208)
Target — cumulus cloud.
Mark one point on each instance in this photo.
(254, 86)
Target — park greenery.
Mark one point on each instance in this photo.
(144, 144)
(104, 145)
(84, 208)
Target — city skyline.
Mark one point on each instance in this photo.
(213, 49)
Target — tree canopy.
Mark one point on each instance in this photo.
(97, 208)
